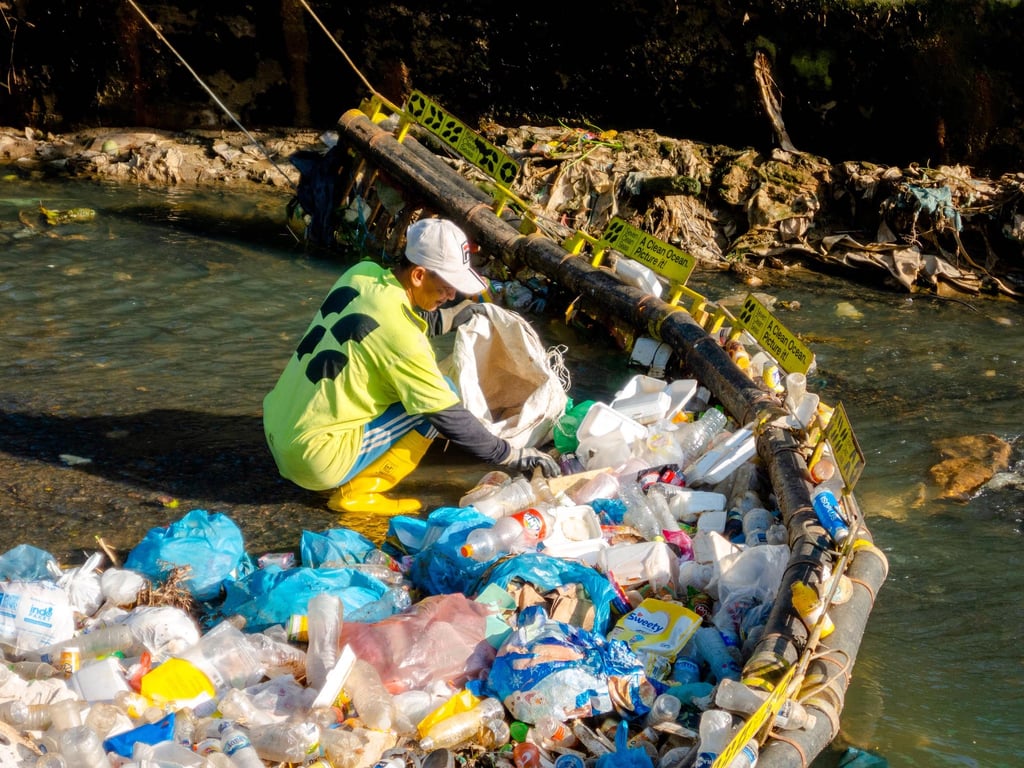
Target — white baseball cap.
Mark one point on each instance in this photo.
(441, 247)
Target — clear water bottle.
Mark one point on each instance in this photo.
(715, 732)
(710, 647)
(665, 709)
(287, 742)
(81, 747)
(506, 499)
(235, 743)
(324, 617)
(639, 514)
(734, 696)
(373, 702)
(695, 437)
(462, 726)
(756, 523)
(686, 668)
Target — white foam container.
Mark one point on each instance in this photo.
(679, 393)
(646, 561)
(576, 534)
(99, 681)
(607, 436)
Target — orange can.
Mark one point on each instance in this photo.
(70, 660)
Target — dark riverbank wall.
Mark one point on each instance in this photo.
(896, 83)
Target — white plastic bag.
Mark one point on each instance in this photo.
(507, 378)
(34, 614)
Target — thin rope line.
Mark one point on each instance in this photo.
(337, 45)
(213, 96)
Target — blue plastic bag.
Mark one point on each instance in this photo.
(624, 755)
(547, 667)
(439, 568)
(271, 595)
(210, 545)
(124, 743)
(27, 563)
(337, 545)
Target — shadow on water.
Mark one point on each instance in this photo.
(167, 451)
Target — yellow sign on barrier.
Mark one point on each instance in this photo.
(778, 341)
(665, 259)
(463, 139)
(847, 452)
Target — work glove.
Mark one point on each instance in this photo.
(526, 459)
(461, 314)
(447, 319)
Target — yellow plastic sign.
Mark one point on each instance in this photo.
(792, 355)
(845, 449)
(665, 259)
(463, 139)
(769, 707)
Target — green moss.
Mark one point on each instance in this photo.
(762, 43)
(813, 67)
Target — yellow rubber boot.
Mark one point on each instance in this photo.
(365, 491)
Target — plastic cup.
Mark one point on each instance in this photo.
(796, 388)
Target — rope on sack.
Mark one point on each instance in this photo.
(556, 362)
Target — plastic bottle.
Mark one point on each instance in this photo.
(488, 484)
(494, 734)
(371, 699)
(287, 742)
(639, 514)
(695, 437)
(747, 757)
(395, 599)
(324, 617)
(808, 605)
(462, 726)
(756, 522)
(237, 705)
(826, 506)
(551, 730)
(686, 668)
(102, 718)
(26, 717)
(715, 732)
(734, 696)
(518, 530)
(82, 748)
(665, 709)
(710, 647)
(515, 496)
(99, 642)
(33, 670)
(235, 744)
(603, 485)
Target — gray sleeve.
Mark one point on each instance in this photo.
(465, 430)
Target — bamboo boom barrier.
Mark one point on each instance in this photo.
(425, 175)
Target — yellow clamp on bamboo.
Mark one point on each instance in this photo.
(575, 242)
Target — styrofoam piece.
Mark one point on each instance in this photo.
(729, 464)
(650, 561)
(686, 503)
(603, 420)
(606, 437)
(99, 681)
(679, 392)
(644, 407)
(711, 547)
(651, 355)
(734, 444)
(576, 534)
(711, 520)
(336, 678)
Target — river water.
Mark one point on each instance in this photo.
(137, 349)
